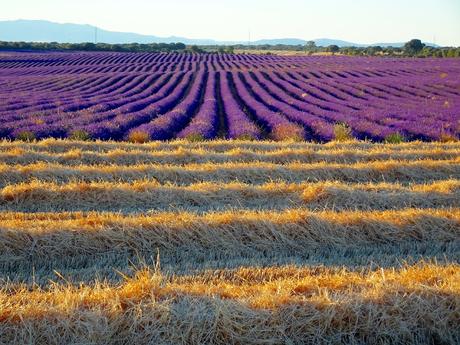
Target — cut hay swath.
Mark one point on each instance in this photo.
(229, 242)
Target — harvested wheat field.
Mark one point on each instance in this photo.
(229, 242)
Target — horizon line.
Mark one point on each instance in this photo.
(225, 41)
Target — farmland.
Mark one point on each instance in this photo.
(158, 96)
(153, 198)
(242, 242)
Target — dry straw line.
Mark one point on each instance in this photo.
(58, 235)
(415, 304)
(53, 145)
(140, 196)
(188, 156)
(255, 172)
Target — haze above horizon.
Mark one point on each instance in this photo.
(361, 21)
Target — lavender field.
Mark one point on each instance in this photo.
(161, 96)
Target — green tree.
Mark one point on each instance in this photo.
(179, 46)
(310, 46)
(333, 48)
(451, 52)
(373, 50)
(428, 51)
(195, 49)
(413, 47)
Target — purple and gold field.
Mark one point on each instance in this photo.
(163, 96)
(229, 241)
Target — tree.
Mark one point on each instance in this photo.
(373, 50)
(413, 47)
(333, 48)
(195, 49)
(389, 50)
(451, 52)
(179, 46)
(310, 46)
(428, 51)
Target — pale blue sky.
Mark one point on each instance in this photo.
(360, 21)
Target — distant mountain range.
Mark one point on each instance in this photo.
(46, 31)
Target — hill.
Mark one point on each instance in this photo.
(46, 31)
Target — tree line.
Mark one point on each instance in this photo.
(413, 48)
(88, 46)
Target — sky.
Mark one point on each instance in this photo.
(358, 21)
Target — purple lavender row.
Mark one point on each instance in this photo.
(238, 123)
(278, 126)
(318, 128)
(105, 111)
(323, 91)
(81, 92)
(108, 110)
(362, 127)
(15, 97)
(118, 126)
(101, 104)
(113, 124)
(164, 126)
(301, 94)
(204, 125)
(94, 124)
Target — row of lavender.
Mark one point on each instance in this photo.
(163, 96)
